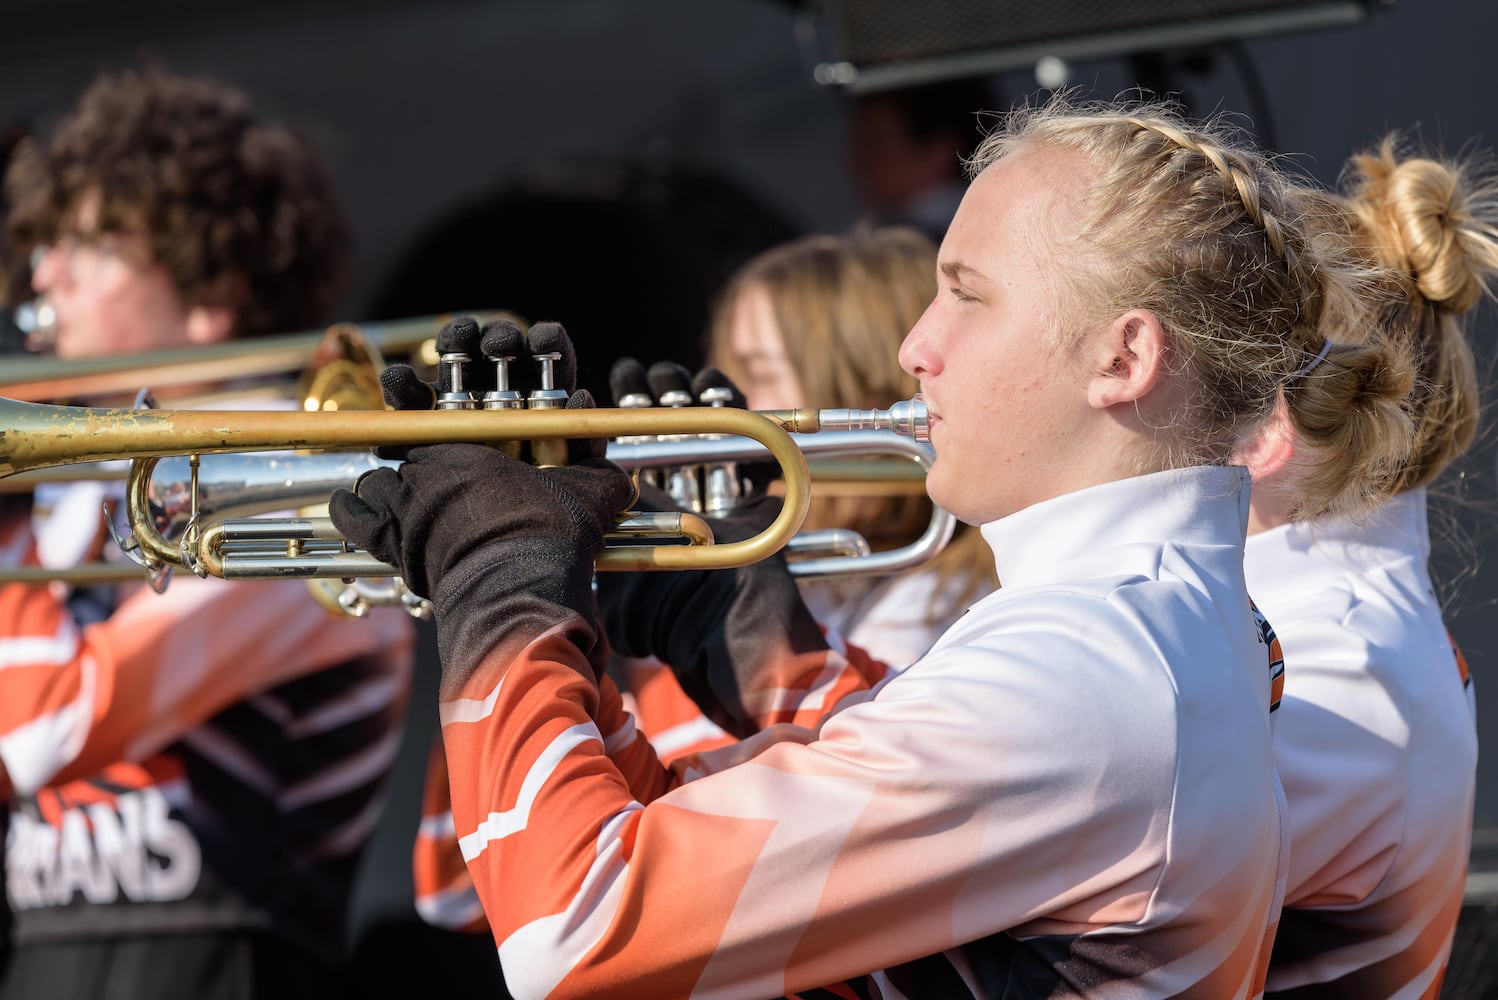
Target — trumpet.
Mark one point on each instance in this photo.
(41, 436)
(835, 552)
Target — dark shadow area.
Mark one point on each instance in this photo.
(628, 258)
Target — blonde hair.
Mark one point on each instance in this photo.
(1192, 223)
(843, 303)
(1434, 225)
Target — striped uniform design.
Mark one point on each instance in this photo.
(1276, 654)
(208, 757)
(1073, 792)
(1376, 745)
(659, 711)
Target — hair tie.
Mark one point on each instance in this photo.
(1310, 366)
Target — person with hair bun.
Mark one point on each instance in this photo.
(1073, 792)
(1376, 741)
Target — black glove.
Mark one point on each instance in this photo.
(726, 634)
(665, 381)
(504, 550)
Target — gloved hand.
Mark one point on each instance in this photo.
(726, 634)
(629, 380)
(504, 550)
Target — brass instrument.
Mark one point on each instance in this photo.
(247, 485)
(339, 370)
(172, 519)
(903, 455)
(42, 436)
(43, 378)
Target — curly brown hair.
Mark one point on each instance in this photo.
(239, 210)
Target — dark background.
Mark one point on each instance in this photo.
(607, 163)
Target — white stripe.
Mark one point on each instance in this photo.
(805, 796)
(621, 737)
(450, 908)
(347, 773)
(360, 701)
(478, 709)
(439, 827)
(502, 824)
(353, 834)
(470, 709)
(36, 750)
(669, 742)
(539, 955)
(231, 757)
(57, 649)
(273, 709)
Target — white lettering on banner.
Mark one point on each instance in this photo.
(131, 847)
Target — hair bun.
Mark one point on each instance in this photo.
(1420, 212)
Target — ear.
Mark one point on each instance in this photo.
(1128, 360)
(210, 324)
(1272, 447)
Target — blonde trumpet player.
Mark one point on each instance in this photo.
(1074, 791)
(194, 776)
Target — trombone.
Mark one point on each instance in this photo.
(39, 378)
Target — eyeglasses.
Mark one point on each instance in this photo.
(85, 257)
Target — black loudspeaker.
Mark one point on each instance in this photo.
(873, 45)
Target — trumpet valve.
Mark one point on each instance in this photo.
(454, 396)
(548, 397)
(502, 397)
(722, 491)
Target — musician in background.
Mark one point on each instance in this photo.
(196, 773)
(905, 149)
(817, 323)
(1377, 739)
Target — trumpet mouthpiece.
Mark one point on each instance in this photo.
(907, 418)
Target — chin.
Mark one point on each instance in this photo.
(943, 495)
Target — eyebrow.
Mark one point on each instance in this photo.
(956, 271)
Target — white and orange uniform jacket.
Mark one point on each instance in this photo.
(1074, 792)
(211, 758)
(75, 700)
(1377, 748)
(676, 729)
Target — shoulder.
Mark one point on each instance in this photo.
(1048, 654)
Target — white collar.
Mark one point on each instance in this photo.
(1204, 505)
(1393, 531)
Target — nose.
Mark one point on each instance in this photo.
(918, 355)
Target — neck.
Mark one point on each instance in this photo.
(1270, 505)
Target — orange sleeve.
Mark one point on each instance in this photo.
(75, 700)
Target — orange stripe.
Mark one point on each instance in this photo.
(1461, 661)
